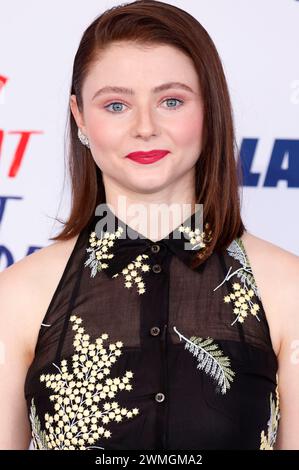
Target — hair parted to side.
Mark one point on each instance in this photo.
(218, 168)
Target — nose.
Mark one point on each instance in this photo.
(145, 121)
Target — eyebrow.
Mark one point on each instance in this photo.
(130, 91)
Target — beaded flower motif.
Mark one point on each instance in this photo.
(243, 294)
(99, 250)
(83, 398)
(210, 359)
(133, 273)
(197, 238)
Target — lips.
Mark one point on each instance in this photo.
(147, 157)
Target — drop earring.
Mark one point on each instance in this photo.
(83, 139)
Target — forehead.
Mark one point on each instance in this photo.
(133, 65)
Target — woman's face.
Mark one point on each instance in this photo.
(117, 123)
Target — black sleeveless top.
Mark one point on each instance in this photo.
(138, 350)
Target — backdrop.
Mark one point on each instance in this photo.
(258, 43)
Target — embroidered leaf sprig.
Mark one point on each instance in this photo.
(268, 441)
(38, 436)
(210, 359)
(242, 296)
(99, 250)
(237, 250)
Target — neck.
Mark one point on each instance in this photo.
(152, 217)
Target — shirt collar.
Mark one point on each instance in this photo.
(112, 250)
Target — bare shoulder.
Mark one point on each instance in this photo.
(273, 260)
(27, 286)
(266, 248)
(276, 272)
(33, 264)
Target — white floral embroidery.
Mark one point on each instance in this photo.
(197, 238)
(268, 441)
(242, 295)
(38, 436)
(78, 396)
(99, 250)
(210, 359)
(237, 250)
(133, 273)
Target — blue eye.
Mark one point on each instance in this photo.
(111, 104)
(174, 99)
(122, 104)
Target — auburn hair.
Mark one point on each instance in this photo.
(218, 168)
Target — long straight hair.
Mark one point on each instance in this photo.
(218, 168)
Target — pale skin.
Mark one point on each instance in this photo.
(145, 122)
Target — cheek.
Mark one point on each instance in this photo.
(102, 134)
(104, 141)
(188, 132)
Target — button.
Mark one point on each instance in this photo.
(157, 268)
(155, 330)
(160, 397)
(155, 248)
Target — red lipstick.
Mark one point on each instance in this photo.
(147, 157)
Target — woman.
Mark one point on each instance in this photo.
(123, 337)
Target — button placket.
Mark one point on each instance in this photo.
(156, 268)
(153, 323)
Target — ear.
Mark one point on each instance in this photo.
(78, 116)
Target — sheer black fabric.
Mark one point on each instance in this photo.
(139, 351)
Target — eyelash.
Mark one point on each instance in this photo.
(166, 99)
